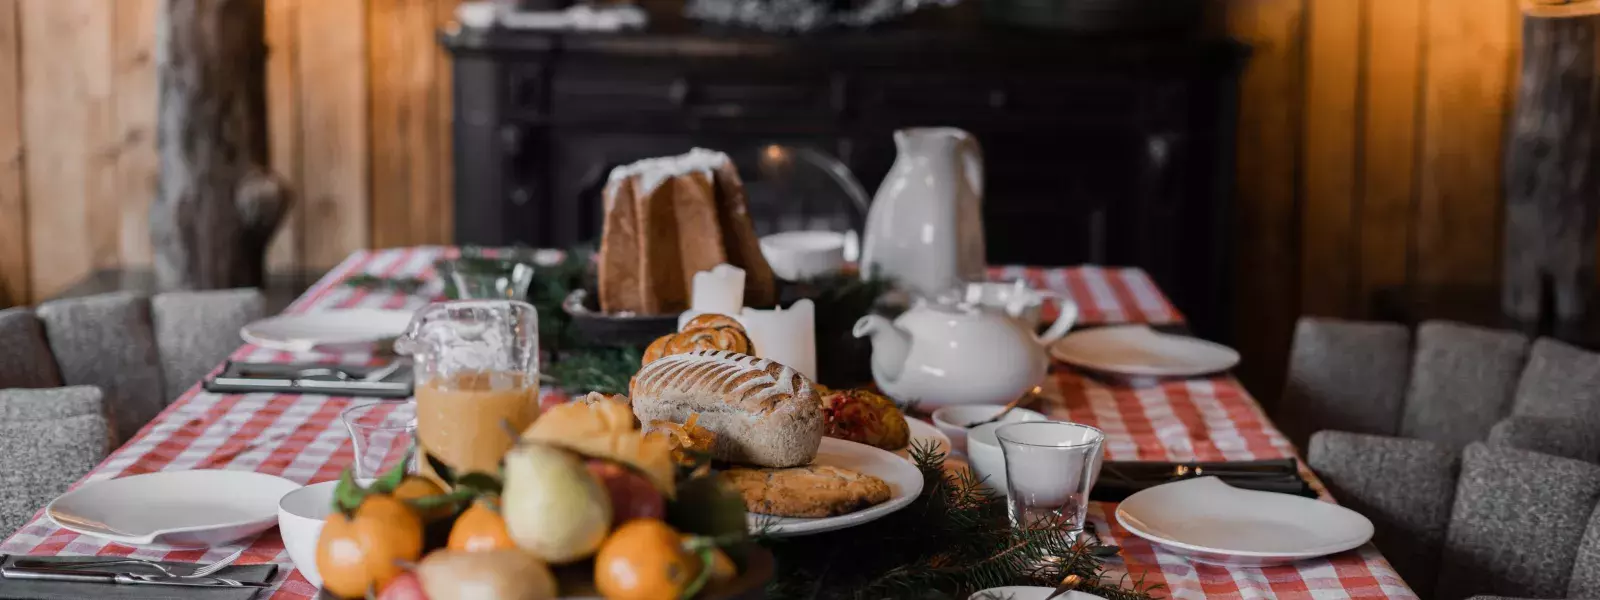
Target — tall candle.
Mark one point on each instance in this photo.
(788, 337)
(720, 291)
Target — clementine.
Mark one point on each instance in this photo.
(356, 553)
(414, 487)
(644, 559)
(480, 528)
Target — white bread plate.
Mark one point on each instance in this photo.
(905, 484)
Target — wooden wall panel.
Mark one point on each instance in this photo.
(69, 132)
(134, 86)
(283, 125)
(1393, 62)
(406, 148)
(1330, 149)
(1267, 240)
(13, 210)
(1466, 87)
(334, 139)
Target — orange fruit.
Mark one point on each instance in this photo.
(358, 552)
(414, 487)
(644, 559)
(480, 528)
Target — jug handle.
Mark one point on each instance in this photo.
(1065, 319)
(972, 160)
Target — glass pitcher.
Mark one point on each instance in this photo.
(477, 379)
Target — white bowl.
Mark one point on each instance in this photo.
(802, 255)
(952, 420)
(301, 514)
(984, 454)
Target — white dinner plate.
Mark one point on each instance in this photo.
(184, 509)
(1028, 592)
(905, 484)
(1141, 351)
(1215, 523)
(347, 330)
(924, 432)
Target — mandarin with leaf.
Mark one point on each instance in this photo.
(358, 552)
(645, 559)
(480, 528)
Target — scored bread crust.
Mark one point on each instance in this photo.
(764, 413)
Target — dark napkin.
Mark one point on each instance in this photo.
(1118, 480)
(16, 589)
(280, 378)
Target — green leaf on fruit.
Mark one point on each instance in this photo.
(706, 560)
(482, 483)
(390, 480)
(348, 494)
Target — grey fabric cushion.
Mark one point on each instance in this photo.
(1462, 380)
(48, 439)
(1559, 381)
(196, 331)
(107, 341)
(1585, 581)
(1404, 486)
(25, 358)
(1517, 523)
(1569, 438)
(1344, 376)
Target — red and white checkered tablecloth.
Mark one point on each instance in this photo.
(299, 437)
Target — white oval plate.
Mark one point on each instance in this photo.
(922, 431)
(1140, 351)
(1215, 523)
(348, 330)
(199, 508)
(905, 483)
(1028, 592)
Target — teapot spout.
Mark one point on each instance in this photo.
(890, 344)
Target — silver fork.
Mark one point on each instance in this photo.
(219, 565)
(92, 564)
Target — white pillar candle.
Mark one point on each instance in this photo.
(788, 337)
(720, 291)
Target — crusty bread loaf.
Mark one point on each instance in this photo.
(763, 413)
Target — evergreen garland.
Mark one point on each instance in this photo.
(954, 538)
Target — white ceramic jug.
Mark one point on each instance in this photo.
(925, 228)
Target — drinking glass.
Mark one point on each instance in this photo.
(477, 379)
(1050, 468)
(487, 278)
(382, 435)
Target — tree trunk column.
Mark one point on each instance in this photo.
(1552, 196)
(217, 203)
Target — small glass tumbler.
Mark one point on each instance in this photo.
(381, 434)
(486, 278)
(1050, 468)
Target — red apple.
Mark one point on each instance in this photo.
(632, 496)
(405, 586)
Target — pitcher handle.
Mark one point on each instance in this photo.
(1065, 318)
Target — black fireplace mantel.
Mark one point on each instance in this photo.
(1113, 150)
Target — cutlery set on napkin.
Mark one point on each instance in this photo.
(57, 577)
(1118, 480)
(392, 380)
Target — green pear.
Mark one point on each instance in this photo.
(554, 508)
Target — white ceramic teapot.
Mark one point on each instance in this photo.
(945, 352)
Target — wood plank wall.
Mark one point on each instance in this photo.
(1369, 144)
(358, 115)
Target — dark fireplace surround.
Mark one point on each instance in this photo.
(1109, 150)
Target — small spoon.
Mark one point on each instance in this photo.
(1003, 410)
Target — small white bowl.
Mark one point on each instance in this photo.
(301, 514)
(802, 255)
(952, 420)
(1022, 592)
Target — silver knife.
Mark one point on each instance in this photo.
(38, 574)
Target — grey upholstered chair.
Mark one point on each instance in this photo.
(141, 353)
(196, 331)
(1451, 386)
(48, 439)
(1501, 521)
(1569, 438)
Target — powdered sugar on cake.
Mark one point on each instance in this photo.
(652, 172)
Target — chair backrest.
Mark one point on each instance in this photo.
(1344, 376)
(1518, 523)
(1557, 436)
(196, 331)
(48, 439)
(108, 341)
(1462, 381)
(1559, 381)
(25, 358)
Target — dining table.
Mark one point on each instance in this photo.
(299, 436)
